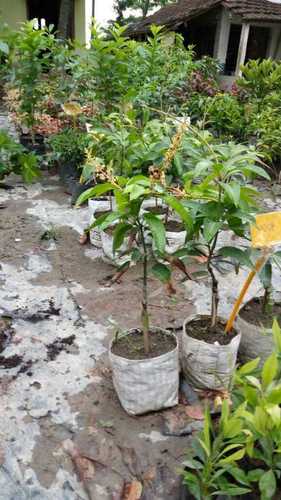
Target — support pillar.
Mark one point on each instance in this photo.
(242, 48)
(222, 38)
(273, 43)
(82, 21)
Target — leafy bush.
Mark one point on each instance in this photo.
(226, 115)
(241, 454)
(14, 159)
(259, 78)
(68, 146)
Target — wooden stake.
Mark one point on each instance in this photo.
(258, 266)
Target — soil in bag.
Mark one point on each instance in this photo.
(201, 330)
(253, 313)
(131, 346)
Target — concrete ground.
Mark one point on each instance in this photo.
(57, 398)
(63, 433)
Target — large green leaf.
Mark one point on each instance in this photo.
(179, 208)
(4, 47)
(258, 171)
(269, 370)
(210, 229)
(240, 256)
(157, 230)
(93, 192)
(267, 484)
(233, 192)
(162, 272)
(119, 234)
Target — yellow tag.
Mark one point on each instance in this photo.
(266, 232)
(72, 108)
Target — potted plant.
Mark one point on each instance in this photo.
(144, 360)
(256, 316)
(68, 150)
(15, 159)
(220, 200)
(238, 455)
(29, 61)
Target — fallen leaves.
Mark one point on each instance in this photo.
(84, 238)
(132, 491)
(195, 412)
(84, 466)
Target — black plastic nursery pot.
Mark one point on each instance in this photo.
(145, 383)
(33, 143)
(209, 357)
(256, 330)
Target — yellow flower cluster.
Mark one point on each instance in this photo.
(175, 145)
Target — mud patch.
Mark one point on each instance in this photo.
(6, 333)
(65, 344)
(10, 361)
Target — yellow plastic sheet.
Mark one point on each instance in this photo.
(266, 232)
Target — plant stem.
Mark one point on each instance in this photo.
(267, 301)
(144, 314)
(215, 296)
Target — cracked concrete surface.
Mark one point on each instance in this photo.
(60, 389)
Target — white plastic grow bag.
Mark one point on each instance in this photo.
(208, 366)
(256, 341)
(96, 205)
(148, 384)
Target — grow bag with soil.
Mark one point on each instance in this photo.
(35, 144)
(97, 206)
(142, 383)
(256, 330)
(208, 357)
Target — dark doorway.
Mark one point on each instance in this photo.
(257, 43)
(232, 51)
(50, 12)
(44, 10)
(201, 33)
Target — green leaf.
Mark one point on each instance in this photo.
(239, 475)
(233, 491)
(249, 367)
(161, 272)
(255, 475)
(93, 192)
(237, 455)
(265, 274)
(210, 229)
(202, 167)
(269, 370)
(233, 192)
(232, 427)
(191, 463)
(178, 207)
(157, 230)
(237, 254)
(276, 334)
(137, 191)
(254, 381)
(4, 47)
(274, 396)
(104, 221)
(267, 484)
(258, 170)
(119, 234)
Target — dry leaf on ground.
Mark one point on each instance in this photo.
(132, 491)
(195, 411)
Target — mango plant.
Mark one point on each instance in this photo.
(134, 225)
(220, 197)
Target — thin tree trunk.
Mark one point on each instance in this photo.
(145, 315)
(65, 17)
(145, 8)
